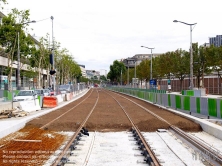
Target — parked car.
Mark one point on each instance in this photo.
(51, 93)
(65, 88)
(24, 95)
(43, 92)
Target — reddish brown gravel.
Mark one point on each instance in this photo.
(107, 116)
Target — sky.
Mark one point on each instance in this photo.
(98, 32)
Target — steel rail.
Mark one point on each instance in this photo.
(206, 149)
(67, 146)
(147, 147)
(211, 153)
(47, 124)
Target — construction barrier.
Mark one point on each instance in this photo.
(30, 105)
(67, 97)
(71, 96)
(60, 98)
(50, 101)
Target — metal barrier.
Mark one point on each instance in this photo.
(209, 107)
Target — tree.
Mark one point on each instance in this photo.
(214, 59)
(180, 66)
(40, 57)
(115, 71)
(9, 37)
(68, 69)
(143, 71)
(200, 65)
(30, 74)
(103, 78)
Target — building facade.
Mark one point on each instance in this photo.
(83, 70)
(216, 41)
(131, 62)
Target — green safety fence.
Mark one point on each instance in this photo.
(186, 103)
(149, 90)
(141, 94)
(146, 95)
(198, 104)
(178, 101)
(5, 93)
(151, 96)
(220, 108)
(8, 94)
(169, 101)
(189, 92)
(183, 92)
(212, 107)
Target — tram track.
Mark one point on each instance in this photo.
(213, 157)
(100, 113)
(150, 157)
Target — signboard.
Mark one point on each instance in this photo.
(153, 82)
(135, 80)
(168, 81)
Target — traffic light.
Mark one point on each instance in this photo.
(52, 72)
(51, 59)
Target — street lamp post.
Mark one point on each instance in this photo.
(191, 52)
(53, 60)
(135, 75)
(128, 74)
(121, 77)
(151, 72)
(18, 56)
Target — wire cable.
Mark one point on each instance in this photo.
(43, 19)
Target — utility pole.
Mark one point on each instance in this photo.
(53, 60)
(18, 56)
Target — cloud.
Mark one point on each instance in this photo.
(98, 32)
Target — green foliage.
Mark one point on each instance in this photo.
(83, 79)
(67, 67)
(29, 74)
(11, 32)
(143, 70)
(103, 78)
(115, 71)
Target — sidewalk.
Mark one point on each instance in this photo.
(206, 96)
(10, 125)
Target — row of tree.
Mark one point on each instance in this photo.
(13, 30)
(175, 64)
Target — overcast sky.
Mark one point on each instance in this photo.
(97, 32)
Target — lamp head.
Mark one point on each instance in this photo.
(33, 21)
(175, 21)
(142, 46)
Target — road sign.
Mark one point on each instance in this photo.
(168, 81)
(153, 82)
(135, 80)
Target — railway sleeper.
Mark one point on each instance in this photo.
(63, 161)
(141, 147)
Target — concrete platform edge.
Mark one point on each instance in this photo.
(11, 128)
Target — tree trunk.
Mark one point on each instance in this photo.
(181, 83)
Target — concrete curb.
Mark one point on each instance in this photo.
(207, 126)
(9, 126)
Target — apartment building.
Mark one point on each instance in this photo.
(216, 41)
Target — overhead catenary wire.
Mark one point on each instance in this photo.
(43, 19)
